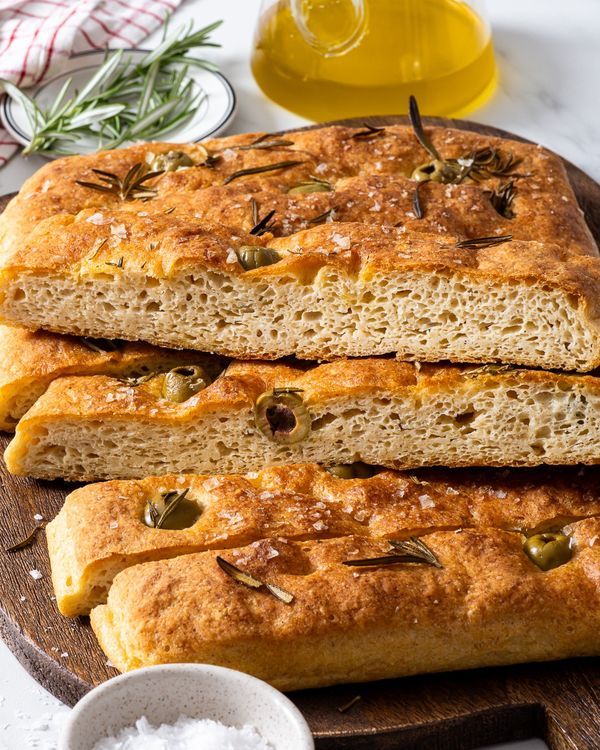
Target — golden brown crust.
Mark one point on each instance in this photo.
(332, 154)
(30, 361)
(100, 530)
(488, 604)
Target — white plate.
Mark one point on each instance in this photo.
(211, 117)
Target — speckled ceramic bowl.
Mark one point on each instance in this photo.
(200, 691)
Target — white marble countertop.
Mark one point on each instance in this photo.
(548, 58)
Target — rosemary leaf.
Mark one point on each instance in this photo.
(370, 131)
(27, 541)
(262, 225)
(254, 583)
(417, 126)
(478, 243)
(347, 706)
(258, 170)
(417, 206)
(322, 218)
(263, 142)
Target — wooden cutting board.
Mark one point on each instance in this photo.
(557, 701)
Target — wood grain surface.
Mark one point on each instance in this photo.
(559, 701)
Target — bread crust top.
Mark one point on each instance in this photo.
(304, 501)
(198, 220)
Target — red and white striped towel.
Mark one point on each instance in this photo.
(38, 36)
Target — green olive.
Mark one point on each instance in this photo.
(313, 186)
(170, 162)
(357, 470)
(548, 550)
(436, 171)
(252, 256)
(183, 382)
(281, 416)
(171, 510)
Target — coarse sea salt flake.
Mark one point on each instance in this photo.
(426, 501)
(35, 574)
(231, 256)
(119, 230)
(341, 241)
(38, 517)
(96, 218)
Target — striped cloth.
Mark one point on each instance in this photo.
(38, 36)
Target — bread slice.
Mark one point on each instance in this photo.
(380, 411)
(100, 529)
(487, 604)
(338, 290)
(358, 272)
(30, 361)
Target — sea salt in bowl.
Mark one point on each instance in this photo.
(198, 691)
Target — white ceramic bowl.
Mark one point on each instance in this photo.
(199, 691)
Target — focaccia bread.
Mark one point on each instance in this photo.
(380, 411)
(353, 270)
(482, 602)
(104, 528)
(30, 361)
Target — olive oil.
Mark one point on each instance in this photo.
(328, 59)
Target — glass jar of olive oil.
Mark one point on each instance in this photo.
(329, 59)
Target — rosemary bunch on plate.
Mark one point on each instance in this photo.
(123, 100)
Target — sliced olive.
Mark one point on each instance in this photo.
(548, 550)
(436, 171)
(251, 256)
(171, 161)
(313, 186)
(171, 510)
(357, 470)
(183, 382)
(280, 414)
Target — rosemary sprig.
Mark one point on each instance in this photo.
(370, 131)
(130, 187)
(116, 263)
(27, 541)
(171, 500)
(261, 226)
(122, 101)
(258, 170)
(254, 583)
(477, 165)
(412, 550)
(477, 243)
(502, 199)
(416, 549)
